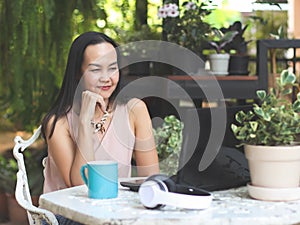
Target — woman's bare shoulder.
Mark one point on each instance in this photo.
(136, 105)
(60, 126)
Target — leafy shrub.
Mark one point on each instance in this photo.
(276, 120)
(168, 139)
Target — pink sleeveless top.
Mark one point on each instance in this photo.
(117, 144)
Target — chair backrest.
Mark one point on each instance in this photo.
(22, 192)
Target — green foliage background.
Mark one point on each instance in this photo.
(35, 37)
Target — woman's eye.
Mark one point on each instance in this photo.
(95, 70)
(113, 69)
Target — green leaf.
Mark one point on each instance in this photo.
(261, 94)
(296, 106)
(253, 125)
(286, 77)
(234, 128)
(287, 91)
(258, 111)
(239, 116)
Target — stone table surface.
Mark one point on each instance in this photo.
(233, 206)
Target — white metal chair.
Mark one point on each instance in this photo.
(22, 192)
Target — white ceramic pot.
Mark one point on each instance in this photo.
(218, 63)
(274, 166)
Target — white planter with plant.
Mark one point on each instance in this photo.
(168, 138)
(269, 133)
(218, 62)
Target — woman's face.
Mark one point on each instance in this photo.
(100, 69)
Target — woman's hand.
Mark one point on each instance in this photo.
(85, 147)
(88, 106)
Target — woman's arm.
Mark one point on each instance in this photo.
(65, 152)
(62, 149)
(69, 156)
(144, 150)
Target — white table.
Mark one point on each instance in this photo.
(232, 206)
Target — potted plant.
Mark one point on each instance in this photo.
(168, 139)
(185, 24)
(219, 61)
(269, 134)
(238, 49)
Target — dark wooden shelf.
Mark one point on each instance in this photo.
(199, 87)
(199, 77)
(239, 87)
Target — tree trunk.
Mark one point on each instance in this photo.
(141, 14)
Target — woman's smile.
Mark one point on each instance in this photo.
(105, 88)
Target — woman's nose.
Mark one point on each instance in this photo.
(104, 77)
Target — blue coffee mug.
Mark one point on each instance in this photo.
(101, 179)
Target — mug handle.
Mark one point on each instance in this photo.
(82, 172)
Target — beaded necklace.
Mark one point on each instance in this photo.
(99, 126)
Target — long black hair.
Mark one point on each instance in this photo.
(73, 74)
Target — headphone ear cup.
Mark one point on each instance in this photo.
(167, 181)
(161, 181)
(159, 189)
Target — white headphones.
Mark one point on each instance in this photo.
(159, 190)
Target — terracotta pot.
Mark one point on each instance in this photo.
(274, 166)
(3, 207)
(16, 214)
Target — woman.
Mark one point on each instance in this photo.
(89, 121)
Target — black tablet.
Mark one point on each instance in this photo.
(133, 185)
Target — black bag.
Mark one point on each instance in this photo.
(228, 167)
